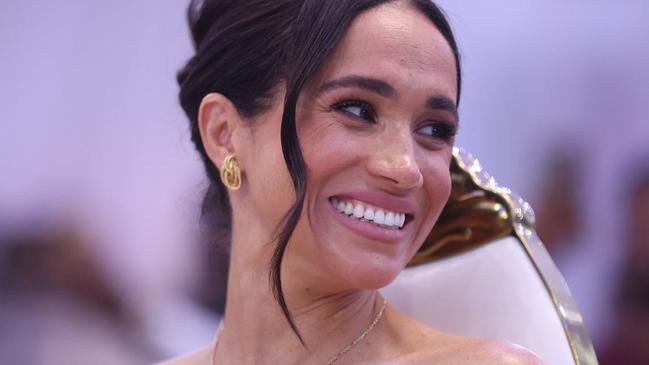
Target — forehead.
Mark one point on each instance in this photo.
(399, 44)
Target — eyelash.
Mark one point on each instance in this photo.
(344, 104)
(441, 130)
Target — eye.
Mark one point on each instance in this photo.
(440, 130)
(356, 108)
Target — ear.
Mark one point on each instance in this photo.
(218, 119)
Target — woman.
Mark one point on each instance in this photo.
(326, 128)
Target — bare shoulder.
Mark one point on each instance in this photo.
(199, 357)
(459, 350)
(487, 352)
(425, 345)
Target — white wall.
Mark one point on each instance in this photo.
(91, 130)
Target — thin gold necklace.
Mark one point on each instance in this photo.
(341, 353)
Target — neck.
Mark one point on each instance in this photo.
(256, 331)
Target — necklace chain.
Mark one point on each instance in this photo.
(343, 351)
(362, 336)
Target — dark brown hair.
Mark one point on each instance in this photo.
(245, 49)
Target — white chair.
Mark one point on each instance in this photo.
(484, 272)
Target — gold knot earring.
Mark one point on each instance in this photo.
(230, 173)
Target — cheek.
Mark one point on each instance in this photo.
(438, 184)
(437, 187)
(327, 148)
(271, 189)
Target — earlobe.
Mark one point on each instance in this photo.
(217, 120)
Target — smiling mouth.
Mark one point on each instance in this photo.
(364, 212)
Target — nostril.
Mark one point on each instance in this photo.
(405, 176)
(409, 178)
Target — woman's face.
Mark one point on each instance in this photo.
(376, 127)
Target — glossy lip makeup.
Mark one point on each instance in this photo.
(376, 216)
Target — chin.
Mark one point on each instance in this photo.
(371, 275)
(379, 282)
(351, 253)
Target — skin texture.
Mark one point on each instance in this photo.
(386, 149)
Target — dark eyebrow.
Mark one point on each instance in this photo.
(374, 85)
(384, 89)
(443, 103)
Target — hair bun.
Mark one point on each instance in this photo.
(202, 15)
(183, 73)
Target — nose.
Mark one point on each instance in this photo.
(394, 162)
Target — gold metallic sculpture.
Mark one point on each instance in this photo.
(472, 216)
(480, 211)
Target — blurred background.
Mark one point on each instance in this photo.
(101, 259)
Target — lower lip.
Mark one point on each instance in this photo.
(370, 230)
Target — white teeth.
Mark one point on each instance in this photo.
(379, 217)
(349, 208)
(358, 211)
(389, 219)
(341, 206)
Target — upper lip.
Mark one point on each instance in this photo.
(381, 200)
